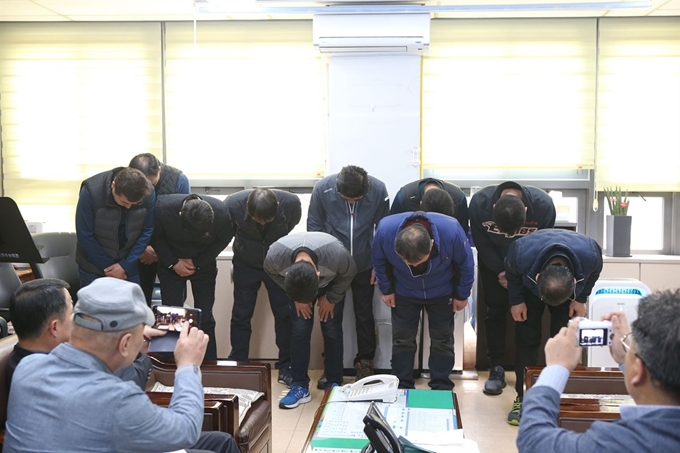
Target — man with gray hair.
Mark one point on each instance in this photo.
(647, 354)
(70, 400)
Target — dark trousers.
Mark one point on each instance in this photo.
(147, 279)
(362, 297)
(214, 441)
(528, 334)
(173, 288)
(497, 306)
(247, 282)
(332, 342)
(405, 319)
(88, 277)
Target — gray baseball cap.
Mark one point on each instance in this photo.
(115, 305)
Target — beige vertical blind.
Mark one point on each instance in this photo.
(77, 99)
(638, 124)
(514, 94)
(247, 101)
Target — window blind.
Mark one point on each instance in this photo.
(513, 94)
(77, 99)
(638, 131)
(247, 101)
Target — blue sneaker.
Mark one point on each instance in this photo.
(295, 397)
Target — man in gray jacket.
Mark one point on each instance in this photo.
(313, 268)
(349, 207)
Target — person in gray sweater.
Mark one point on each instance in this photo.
(647, 355)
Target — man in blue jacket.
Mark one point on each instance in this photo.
(114, 223)
(647, 355)
(423, 261)
(348, 206)
(557, 268)
(259, 218)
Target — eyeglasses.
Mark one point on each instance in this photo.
(625, 342)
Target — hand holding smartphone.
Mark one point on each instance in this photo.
(170, 319)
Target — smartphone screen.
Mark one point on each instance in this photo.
(593, 337)
(171, 318)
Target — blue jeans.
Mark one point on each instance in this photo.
(332, 342)
(173, 290)
(88, 277)
(247, 282)
(405, 319)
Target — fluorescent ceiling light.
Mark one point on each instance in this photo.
(405, 6)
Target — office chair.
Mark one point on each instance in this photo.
(60, 251)
(9, 282)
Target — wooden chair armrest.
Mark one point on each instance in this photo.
(224, 408)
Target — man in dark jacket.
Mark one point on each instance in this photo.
(190, 233)
(166, 180)
(497, 219)
(114, 223)
(423, 261)
(647, 355)
(259, 218)
(349, 206)
(557, 268)
(313, 269)
(409, 197)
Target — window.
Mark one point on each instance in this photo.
(638, 138)
(513, 94)
(77, 99)
(246, 101)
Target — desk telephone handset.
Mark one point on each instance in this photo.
(379, 387)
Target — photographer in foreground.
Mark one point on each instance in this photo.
(648, 357)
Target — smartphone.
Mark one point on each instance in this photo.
(170, 319)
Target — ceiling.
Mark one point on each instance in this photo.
(168, 10)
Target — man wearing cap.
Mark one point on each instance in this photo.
(557, 268)
(499, 215)
(70, 400)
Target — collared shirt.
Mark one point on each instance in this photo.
(69, 401)
(640, 429)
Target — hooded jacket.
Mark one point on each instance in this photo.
(530, 254)
(450, 268)
(332, 260)
(330, 213)
(492, 245)
(250, 244)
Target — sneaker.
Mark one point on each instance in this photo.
(285, 376)
(296, 396)
(364, 368)
(496, 382)
(516, 412)
(321, 384)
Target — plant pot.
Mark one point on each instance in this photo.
(618, 235)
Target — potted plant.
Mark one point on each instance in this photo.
(618, 223)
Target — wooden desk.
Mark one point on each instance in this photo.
(307, 448)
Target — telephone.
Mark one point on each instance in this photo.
(382, 438)
(379, 387)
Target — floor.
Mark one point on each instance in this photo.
(484, 417)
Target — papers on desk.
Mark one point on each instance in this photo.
(421, 416)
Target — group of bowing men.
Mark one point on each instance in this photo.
(140, 221)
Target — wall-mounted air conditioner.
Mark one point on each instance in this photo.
(387, 34)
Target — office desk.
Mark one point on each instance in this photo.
(353, 442)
